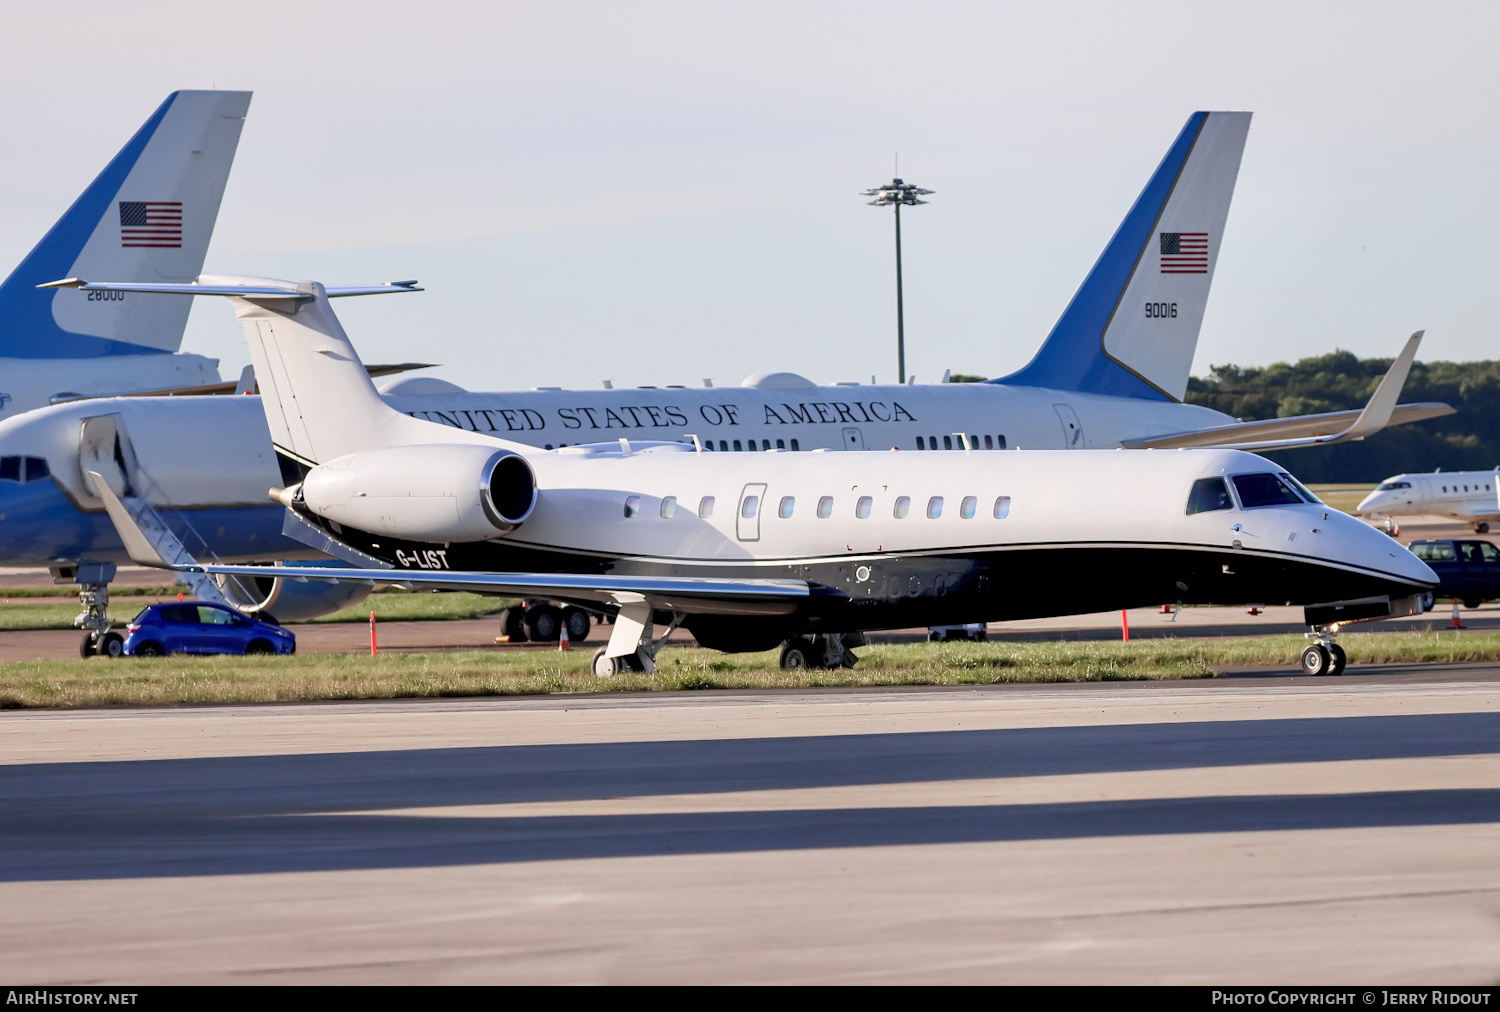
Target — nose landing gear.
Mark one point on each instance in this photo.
(1325, 657)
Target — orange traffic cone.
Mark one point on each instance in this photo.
(1456, 623)
(562, 643)
(1166, 609)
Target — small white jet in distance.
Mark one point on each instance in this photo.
(797, 549)
(1470, 496)
(147, 217)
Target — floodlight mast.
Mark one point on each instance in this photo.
(895, 193)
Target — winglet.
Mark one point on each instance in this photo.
(1377, 413)
(137, 545)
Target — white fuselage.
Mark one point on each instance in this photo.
(1462, 495)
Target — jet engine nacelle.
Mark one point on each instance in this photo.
(287, 600)
(438, 492)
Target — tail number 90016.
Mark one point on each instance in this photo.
(1161, 310)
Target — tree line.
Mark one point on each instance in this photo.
(1341, 380)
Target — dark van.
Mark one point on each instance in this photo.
(1467, 570)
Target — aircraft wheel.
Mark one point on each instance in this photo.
(1316, 660)
(1339, 659)
(1427, 601)
(86, 648)
(795, 655)
(577, 622)
(1481, 528)
(512, 626)
(544, 623)
(604, 667)
(112, 645)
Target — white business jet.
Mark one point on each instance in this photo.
(751, 551)
(1470, 496)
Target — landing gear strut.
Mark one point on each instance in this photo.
(93, 594)
(1324, 657)
(631, 644)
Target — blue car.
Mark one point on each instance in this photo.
(194, 627)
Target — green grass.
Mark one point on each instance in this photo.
(388, 606)
(175, 680)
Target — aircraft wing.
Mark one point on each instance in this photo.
(702, 595)
(217, 389)
(1313, 430)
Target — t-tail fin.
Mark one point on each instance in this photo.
(147, 217)
(1132, 328)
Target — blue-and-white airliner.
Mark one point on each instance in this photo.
(147, 217)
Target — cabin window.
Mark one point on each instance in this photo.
(765, 444)
(947, 442)
(750, 507)
(862, 508)
(825, 507)
(723, 446)
(1445, 488)
(934, 507)
(921, 445)
(989, 443)
(968, 506)
(706, 507)
(999, 442)
(708, 444)
(632, 505)
(973, 441)
(10, 468)
(1264, 490)
(669, 507)
(737, 447)
(1002, 507)
(1209, 494)
(781, 444)
(795, 447)
(788, 503)
(902, 507)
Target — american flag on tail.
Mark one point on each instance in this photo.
(1184, 252)
(151, 223)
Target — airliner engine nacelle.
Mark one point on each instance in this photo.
(438, 492)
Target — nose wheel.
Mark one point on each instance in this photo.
(1324, 657)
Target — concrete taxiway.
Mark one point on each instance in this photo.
(1230, 831)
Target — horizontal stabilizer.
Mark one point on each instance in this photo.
(216, 389)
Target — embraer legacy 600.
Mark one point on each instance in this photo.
(794, 548)
(1111, 373)
(1470, 496)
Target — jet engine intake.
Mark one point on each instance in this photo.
(442, 492)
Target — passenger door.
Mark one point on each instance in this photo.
(1072, 429)
(179, 628)
(219, 633)
(854, 439)
(747, 517)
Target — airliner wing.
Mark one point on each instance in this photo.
(1314, 430)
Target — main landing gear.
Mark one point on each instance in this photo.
(1324, 657)
(632, 646)
(1481, 528)
(822, 650)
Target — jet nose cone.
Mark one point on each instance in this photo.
(1376, 550)
(1371, 503)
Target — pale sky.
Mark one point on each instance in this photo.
(658, 192)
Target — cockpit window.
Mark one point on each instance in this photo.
(1390, 486)
(1264, 490)
(1209, 494)
(10, 468)
(1302, 489)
